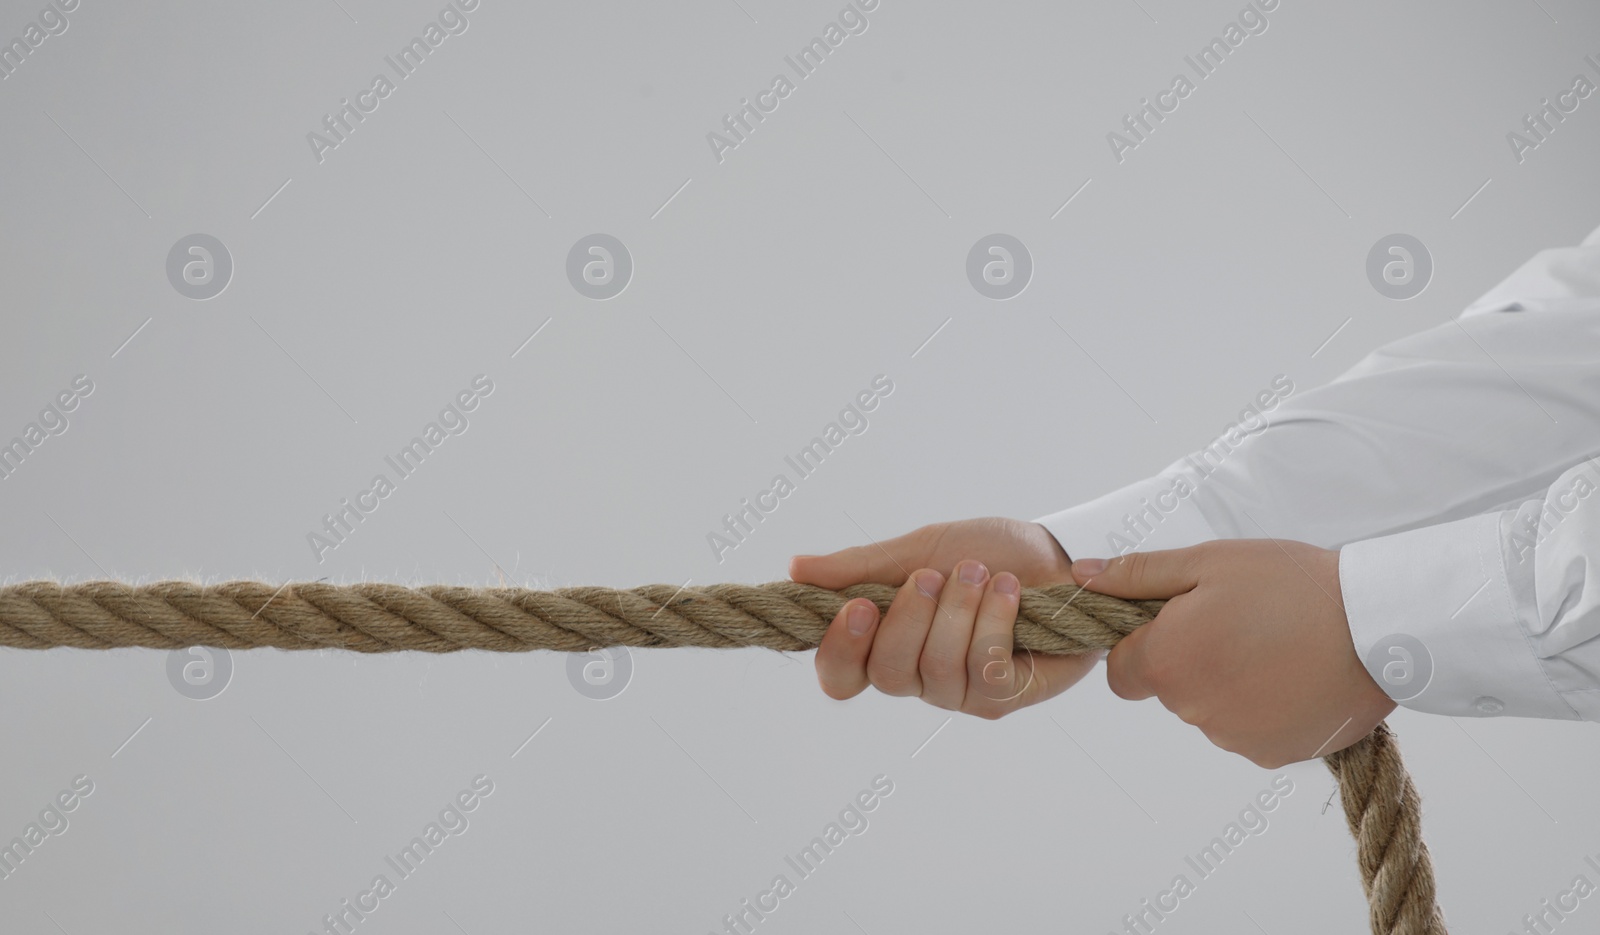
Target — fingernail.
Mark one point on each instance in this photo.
(930, 583)
(973, 572)
(1006, 583)
(1088, 567)
(860, 619)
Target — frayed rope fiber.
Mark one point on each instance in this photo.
(1381, 806)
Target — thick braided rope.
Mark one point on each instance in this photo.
(1381, 805)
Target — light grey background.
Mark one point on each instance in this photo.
(767, 291)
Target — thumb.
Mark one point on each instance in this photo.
(883, 562)
(1141, 575)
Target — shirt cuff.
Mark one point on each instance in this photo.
(1432, 616)
(1155, 513)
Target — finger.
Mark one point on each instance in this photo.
(1128, 666)
(842, 655)
(1044, 676)
(1141, 575)
(944, 654)
(993, 680)
(885, 562)
(996, 686)
(892, 664)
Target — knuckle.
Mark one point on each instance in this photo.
(1161, 670)
(835, 691)
(1223, 740)
(1197, 557)
(1190, 714)
(1134, 566)
(890, 679)
(960, 599)
(988, 710)
(1128, 691)
(1120, 678)
(940, 667)
(1157, 675)
(990, 666)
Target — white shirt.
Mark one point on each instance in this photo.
(1455, 470)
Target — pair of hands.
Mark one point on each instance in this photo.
(1252, 646)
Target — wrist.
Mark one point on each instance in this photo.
(1369, 692)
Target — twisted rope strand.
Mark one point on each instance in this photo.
(1381, 805)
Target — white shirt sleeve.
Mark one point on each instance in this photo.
(1493, 614)
(1444, 446)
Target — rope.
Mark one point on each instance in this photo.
(1381, 805)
